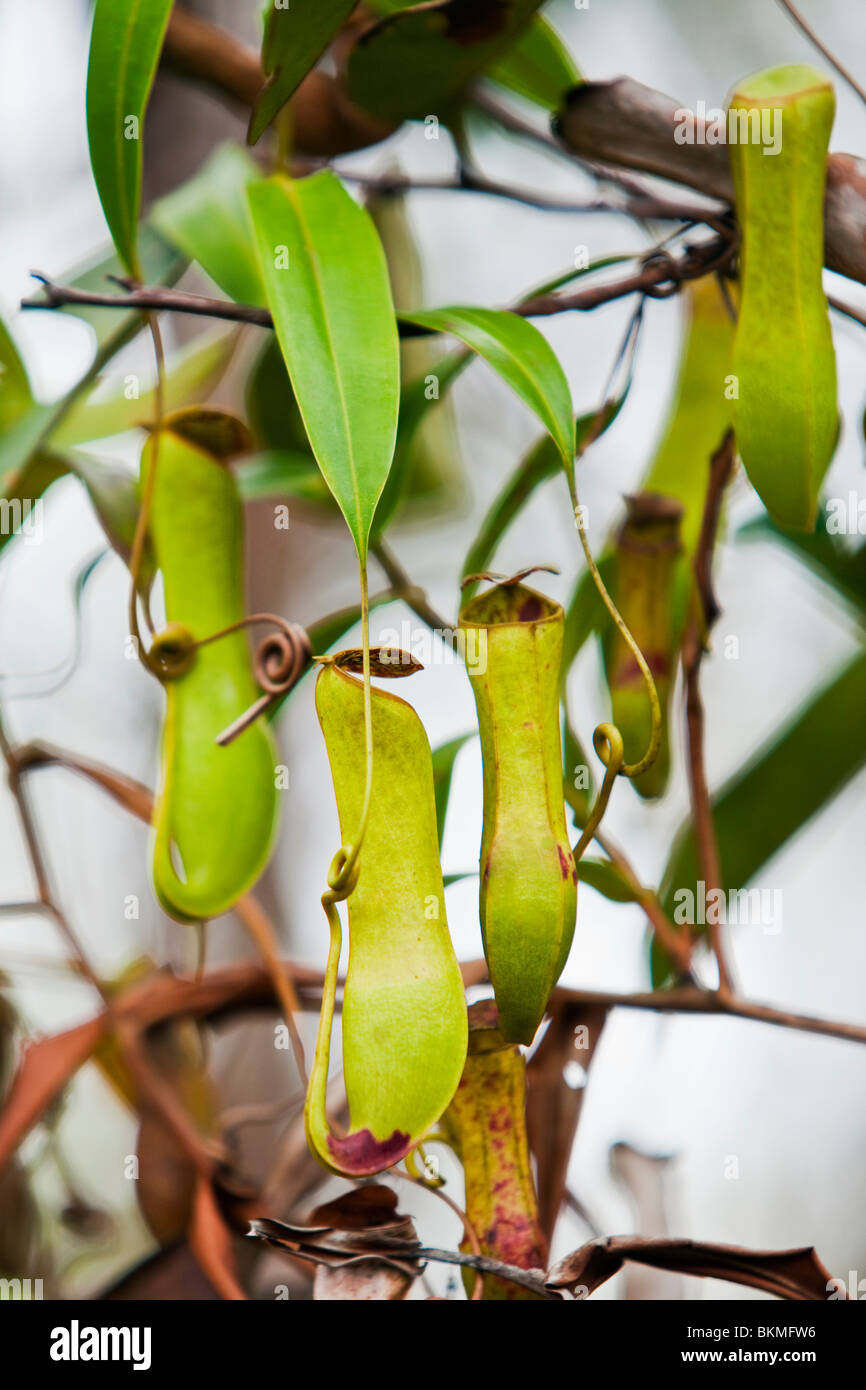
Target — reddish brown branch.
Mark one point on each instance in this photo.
(631, 126)
(324, 120)
(689, 999)
(659, 276)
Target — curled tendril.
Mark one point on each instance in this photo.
(607, 739)
(282, 657)
(343, 873)
(279, 662)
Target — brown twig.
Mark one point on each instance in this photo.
(640, 204)
(660, 275)
(856, 315)
(690, 999)
(526, 1278)
(705, 610)
(324, 120)
(262, 932)
(628, 125)
(673, 942)
(414, 597)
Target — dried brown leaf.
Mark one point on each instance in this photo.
(388, 662)
(342, 1241)
(793, 1274)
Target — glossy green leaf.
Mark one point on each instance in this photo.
(420, 61)
(296, 35)
(779, 791)
(208, 219)
(125, 44)
(327, 286)
(539, 67)
(416, 401)
(520, 354)
(444, 758)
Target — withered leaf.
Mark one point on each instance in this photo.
(797, 1275)
(344, 1241)
(507, 580)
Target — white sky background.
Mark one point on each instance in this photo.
(789, 1107)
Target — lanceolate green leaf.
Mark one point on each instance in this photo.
(521, 355)
(327, 286)
(539, 67)
(124, 50)
(781, 789)
(208, 219)
(295, 36)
